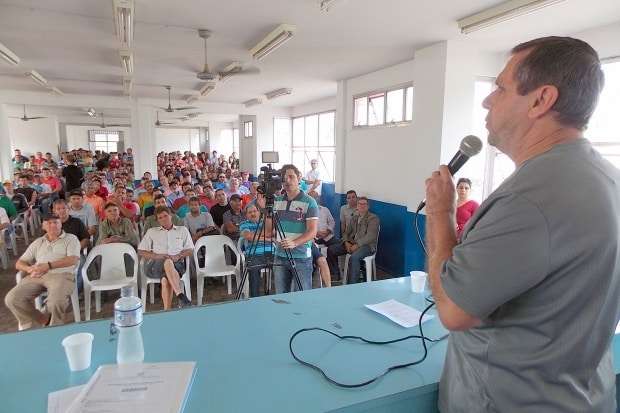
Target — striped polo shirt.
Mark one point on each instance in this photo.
(293, 215)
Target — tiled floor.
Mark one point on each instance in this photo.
(215, 292)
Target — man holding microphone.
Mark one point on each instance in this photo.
(531, 293)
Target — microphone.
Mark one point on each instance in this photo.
(471, 145)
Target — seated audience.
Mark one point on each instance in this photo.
(94, 200)
(184, 209)
(126, 206)
(48, 264)
(165, 248)
(26, 190)
(199, 221)
(217, 211)
(222, 182)
(235, 189)
(19, 201)
(250, 197)
(175, 192)
(359, 240)
(145, 199)
(347, 211)
(232, 218)
(183, 200)
(84, 212)
(5, 202)
(152, 222)
(74, 226)
(115, 228)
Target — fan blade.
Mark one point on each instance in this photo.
(37, 117)
(186, 108)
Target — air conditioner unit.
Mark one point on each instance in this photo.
(278, 92)
(124, 21)
(37, 78)
(207, 88)
(252, 102)
(127, 86)
(505, 11)
(10, 57)
(126, 60)
(273, 41)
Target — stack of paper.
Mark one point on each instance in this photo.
(153, 388)
(399, 313)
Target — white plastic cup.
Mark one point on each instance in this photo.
(418, 281)
(78, 348)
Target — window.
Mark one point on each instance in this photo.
(104, 140)
(604, 128)
(248, 129)
(314, 137)
(389, 107)
(282, 140)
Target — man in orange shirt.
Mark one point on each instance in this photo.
(94, 200)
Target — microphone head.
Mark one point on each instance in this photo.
(471, 145)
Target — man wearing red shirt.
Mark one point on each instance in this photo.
(38, 160)
(114, 163)
(127, 208)
(53, 182)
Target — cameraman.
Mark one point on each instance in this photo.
(299, 217)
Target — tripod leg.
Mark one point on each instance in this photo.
(288, 253)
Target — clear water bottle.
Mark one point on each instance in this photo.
(127, 321)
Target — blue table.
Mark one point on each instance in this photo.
(243, 362)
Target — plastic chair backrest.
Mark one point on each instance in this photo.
(214, 249)
(112, 261)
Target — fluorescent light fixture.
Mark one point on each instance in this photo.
(252, 102)
(207, 88)
(37, 78)
(326, 5)
(273, 41)
(505, 11)
(127, 86)
(124, 21)
(191, 99)
(10, 57)
(91, 112)
(55, 91)
(278, 92)
(126, 60)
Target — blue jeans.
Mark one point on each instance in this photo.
(355, 262)
(284, 278)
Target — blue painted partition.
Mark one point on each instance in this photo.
(399, 250)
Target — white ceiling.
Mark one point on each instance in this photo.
(72, 42)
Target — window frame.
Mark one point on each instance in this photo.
(245, 129)
(318, 147)
(92, 143)
(385, 91)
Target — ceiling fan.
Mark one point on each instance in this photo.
(103, 124)
(26, 118)
(170, 109)
(233, 69)
(158, 123)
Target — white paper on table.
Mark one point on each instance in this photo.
(139, 387)
(59, 401)
(399, 313)
(617, 329)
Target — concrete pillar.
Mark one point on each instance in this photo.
(6, 154)
(143, 139)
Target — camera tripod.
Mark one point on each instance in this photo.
(266, 260)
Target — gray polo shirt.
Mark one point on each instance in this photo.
(539, 264)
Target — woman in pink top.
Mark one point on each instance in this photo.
(465, 207)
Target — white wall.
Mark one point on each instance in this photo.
(39, 135)
(176, 139)
(217, 142)
(77, 135)
(604, 39)
(322, 105)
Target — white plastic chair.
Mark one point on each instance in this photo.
(4, 255)
(38, 302)
(21, 222)
(12, 239)
(146, 281)
(113, 275)
(215, 262)
(369, 262)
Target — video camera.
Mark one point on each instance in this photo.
(270, 180)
